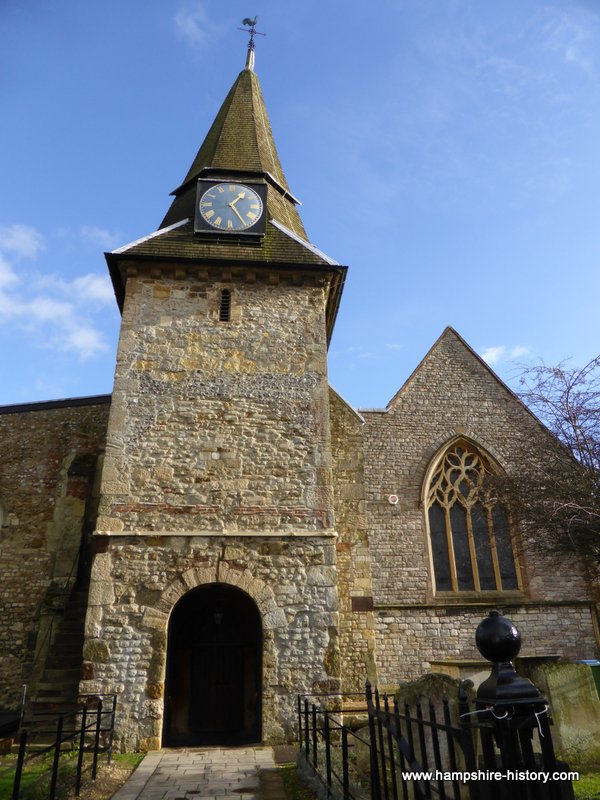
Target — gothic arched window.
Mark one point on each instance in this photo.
(471, 544)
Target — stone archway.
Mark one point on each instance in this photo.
(214, 669)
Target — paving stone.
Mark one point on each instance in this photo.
(247, 773)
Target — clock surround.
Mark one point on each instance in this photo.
(230, 207)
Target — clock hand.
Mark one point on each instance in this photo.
(237, 213)
(239, 197)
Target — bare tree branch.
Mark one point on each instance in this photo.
(553, 488)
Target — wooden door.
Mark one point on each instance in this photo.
(213, 691)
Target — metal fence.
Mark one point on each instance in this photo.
(87, 727)
(497, 748)
(455, 751)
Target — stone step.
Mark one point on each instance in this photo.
(65, 658)
(51, 706)
(66, 637)
(68, 640)
(51, 690)
(58, 685)
(60, 674)
(42, 743)
(56, 700)
(74, 625)
(67, 661)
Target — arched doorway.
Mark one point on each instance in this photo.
(214, 669)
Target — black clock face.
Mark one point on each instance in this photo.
(230, 207)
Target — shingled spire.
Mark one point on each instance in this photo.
(240, 141)
(239, 147)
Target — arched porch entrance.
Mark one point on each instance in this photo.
(214, 669)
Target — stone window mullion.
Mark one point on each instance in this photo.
(451, 555)
(495, 562)
(472, 551)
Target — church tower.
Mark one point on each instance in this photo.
(213, 598)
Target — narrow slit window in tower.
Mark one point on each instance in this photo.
(225, 306)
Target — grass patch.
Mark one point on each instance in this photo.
(32, 775)
(587, 787)
(128, 759)
(35, 780)
(295, 788)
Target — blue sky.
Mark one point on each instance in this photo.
(445, 150)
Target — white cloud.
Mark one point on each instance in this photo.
(94, 287)
(85, 341)
(394, 346)
(57, 313)
(100, 237)
(88, 288)
(21, 240)
(493, 355)
(45, 309)
(57, 324)
(7, 274)
(193, 25)
(569, 35)
(519, 351)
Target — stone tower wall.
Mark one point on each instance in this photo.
(219, 426)
(139, 579)
(218, 469)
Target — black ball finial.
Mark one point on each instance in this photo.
(497, 639)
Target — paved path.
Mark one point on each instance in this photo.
(223, 773)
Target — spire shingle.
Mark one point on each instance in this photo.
(240, 140)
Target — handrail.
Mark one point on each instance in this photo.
(87, 719)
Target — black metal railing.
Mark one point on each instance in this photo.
(328, 746)
(405, 741)
(86, 727)
(453, 751)
(497, 747)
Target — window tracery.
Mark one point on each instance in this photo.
(470, 538)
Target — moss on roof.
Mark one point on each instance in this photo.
(275, 247)
(239, 140)
(241, 136)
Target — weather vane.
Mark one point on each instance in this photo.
(250, 29)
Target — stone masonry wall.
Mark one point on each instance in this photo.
(219, 446)
(138, 580)
(219, 426)
(43, 496)
(409, 639)
(451, 394)
(357, 639)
